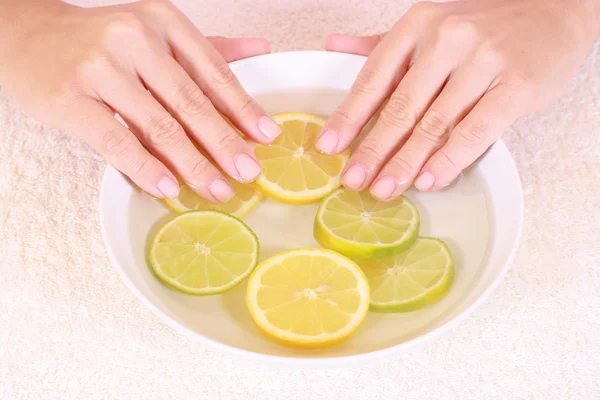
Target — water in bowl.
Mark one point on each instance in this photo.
(458, 215)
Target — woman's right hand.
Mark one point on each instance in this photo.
(74, 68)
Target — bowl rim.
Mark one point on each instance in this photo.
(317, 362)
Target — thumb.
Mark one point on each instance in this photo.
(361, 45)
(233, 49)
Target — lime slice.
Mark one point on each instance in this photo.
(203, 252)
(245, 200)
(293, 170)
(411, 280)
(308, 298)
(358, 226)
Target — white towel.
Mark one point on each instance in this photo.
(69, 328)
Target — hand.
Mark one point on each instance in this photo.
(457, 75)
(74, 68)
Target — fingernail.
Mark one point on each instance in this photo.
(425, 181)
(383, 188)
(354, 177)
(221, 190)
(268, 127)
(327, 142)
(168, 187)
(247, 168)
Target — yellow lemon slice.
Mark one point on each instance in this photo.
(308, 298)
(245, 200)
(203, 252)
(293, 170)
(411, 280)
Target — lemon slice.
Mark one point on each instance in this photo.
(308, 298)
(203, 252)
(358, 226)
(410, 280)
(293, 170)
(245, 200)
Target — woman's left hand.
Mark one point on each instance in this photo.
(457, 75)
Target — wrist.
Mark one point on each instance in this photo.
(17, 19)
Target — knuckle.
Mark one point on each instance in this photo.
(400, 164)
(92, 66)
(474, 135)
(226, 141)
(489, 55)
(434, 126)
(368, 81)
(144, 167)
(422, 9)
(123, 26)
(222, 77)
(344, 117)
(370, 152)
(199, 170)
(446, 160)
(398, 112)
(159, 8)
(193, 101)
(250, 106)
(455, 29)
(116, 142)
(165, 132)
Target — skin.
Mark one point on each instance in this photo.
(455, 76)
(450, 78)
(147, 62)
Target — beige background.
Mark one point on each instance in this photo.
(69, 328)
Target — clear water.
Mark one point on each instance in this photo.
(458, 215)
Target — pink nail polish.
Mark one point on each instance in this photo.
(269, 128)
(247, 168)
(327, 142)
(168, 187)
(425, 181)
(221, 190)
(383, 188)
(354, 177)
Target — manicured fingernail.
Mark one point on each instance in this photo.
(268, 127)
(383, 188)
(168, 187)
(221, 190)
(247, 168)
(327, 142)
(425, 181)
(354, 177)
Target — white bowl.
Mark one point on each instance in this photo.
(480, 217)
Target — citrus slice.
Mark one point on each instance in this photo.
(203, 252)
(293, 170)
(358, 226)
(410, 280)
(245, 200)
(308, 298)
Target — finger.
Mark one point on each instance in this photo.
(164, 136)
(233, 49)
(407, 104)
(361, 45)
(378, 78)
(180, 95)
(485, 124)
(119, 146)
(211, 73)
(464, 88)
